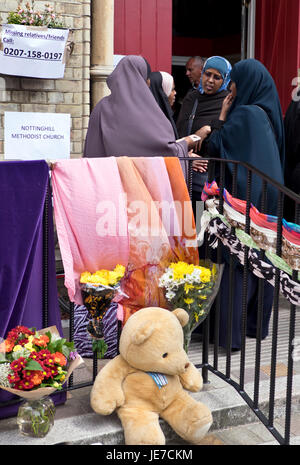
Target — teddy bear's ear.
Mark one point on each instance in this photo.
(182, 316)
(142, 332)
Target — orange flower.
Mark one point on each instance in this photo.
(60, 359)
(6, 346)
(41, 341)
(37, 378)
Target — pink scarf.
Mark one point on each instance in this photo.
(91, 218)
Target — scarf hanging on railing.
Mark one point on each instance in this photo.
(217, 227)
(263, 227)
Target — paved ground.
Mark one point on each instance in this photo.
(234, 422)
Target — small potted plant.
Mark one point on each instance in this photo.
(27, 16)
(35, 43)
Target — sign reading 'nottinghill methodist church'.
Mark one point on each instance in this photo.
(36, 136)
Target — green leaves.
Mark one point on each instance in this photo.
(100, 347)
(60, 345)
(33, 365)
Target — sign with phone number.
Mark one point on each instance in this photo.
(32, 51)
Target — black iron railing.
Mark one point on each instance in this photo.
(252, 402)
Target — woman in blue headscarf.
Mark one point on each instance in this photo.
(250, 128)
(201, 106)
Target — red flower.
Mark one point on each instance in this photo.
(18, 364)
(26, 384)
(27, 373)
(49, 360)
(54, 371)
(46, 371)
(43, 354)
(35, 355)
(14, 378)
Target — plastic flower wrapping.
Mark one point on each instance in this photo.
(34, 364)
(192, 287)
(98, 290)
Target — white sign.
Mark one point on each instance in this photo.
(32, 51)
(36, 136)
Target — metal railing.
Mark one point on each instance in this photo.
(253, 402)
(217, 168)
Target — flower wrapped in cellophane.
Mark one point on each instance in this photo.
(192, 287)
(98, 290)
(33, 365)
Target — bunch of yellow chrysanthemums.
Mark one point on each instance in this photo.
(189, 286)
(103, 277)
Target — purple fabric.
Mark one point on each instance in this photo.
(129, 121)
(23, 187)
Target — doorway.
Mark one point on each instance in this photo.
(204, 28)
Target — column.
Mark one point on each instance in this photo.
(102, 47)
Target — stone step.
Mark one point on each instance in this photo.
(76, 423)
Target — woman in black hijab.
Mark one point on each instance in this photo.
(162, 98)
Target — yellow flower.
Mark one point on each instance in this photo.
(205, 274)
(180, 269)
(85, 277)
(188, 287)
(103, 277)
(120, 270)
(188, 301)
(98, 279)
(29, 346)
(113, 278)
(196, 316)
(17, 348)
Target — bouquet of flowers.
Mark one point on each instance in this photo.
(28, 17)
(193, 288)
(33, 365)
(98, 290)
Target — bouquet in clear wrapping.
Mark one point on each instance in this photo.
(98, 290)
(193, 288)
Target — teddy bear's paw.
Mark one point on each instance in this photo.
(194, 385)
(106, 406)
(200, 431)
(192, 380)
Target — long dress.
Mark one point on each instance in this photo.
(253, 133)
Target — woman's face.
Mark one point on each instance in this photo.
(211, 81)
(232, 89)
(171, 97)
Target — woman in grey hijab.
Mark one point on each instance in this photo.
(129, 122)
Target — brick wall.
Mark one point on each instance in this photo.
(67, 95)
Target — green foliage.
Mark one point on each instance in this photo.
(28, 17)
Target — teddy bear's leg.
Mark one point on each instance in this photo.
(190, 419)
(141, 426)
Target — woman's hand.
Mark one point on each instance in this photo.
(227, 102)
(199, 164)
(203, 132)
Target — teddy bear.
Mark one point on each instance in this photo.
(149, 379)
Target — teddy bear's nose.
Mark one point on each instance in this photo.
(186, 366)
